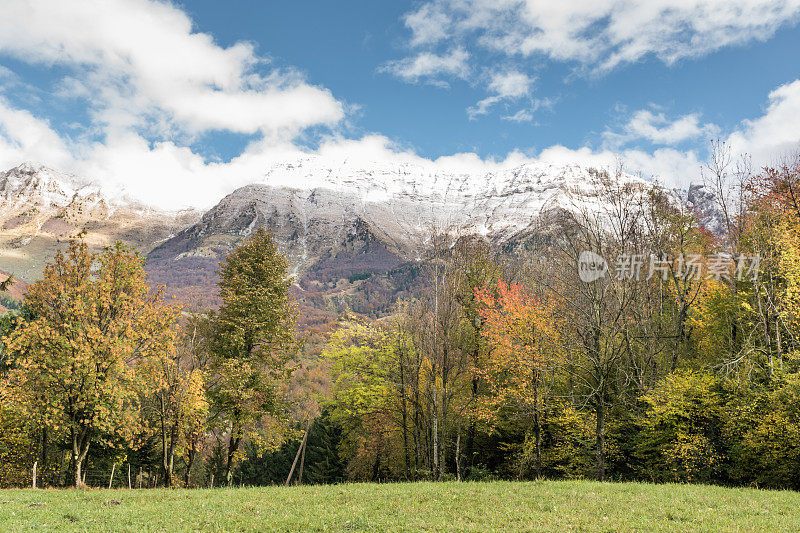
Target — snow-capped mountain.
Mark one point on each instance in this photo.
(32, 186)
(40, 207)
(362, 223)
(407, 201)
(312, 208)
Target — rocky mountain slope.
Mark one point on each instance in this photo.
(10, 299)
(41, 207)
(354, 234)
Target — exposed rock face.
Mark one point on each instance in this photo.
(704, 203)
(400, 208)
(40, 208)
(321, 232)
(353, 234)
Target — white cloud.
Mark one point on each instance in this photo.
(505, 86)
(172, 176)
(23, 137)
(600, 34)
(142, 58)
(428, 66)
(428, 25)
(523, 115)
(181, 82)
(658, 129)
(776, 133)
(512, 84)
(482, 107)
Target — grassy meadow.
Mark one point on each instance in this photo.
(495, 506)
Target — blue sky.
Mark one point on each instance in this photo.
(345, 44)
(150, 95)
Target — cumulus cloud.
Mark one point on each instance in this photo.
(142, 58)
(776, 132)
(172, 176)
(428, 24)
(600, 35)
(179, 82)
(658, 129)
(429, 67)
(505, 86)
(512, 84)
(23, 136)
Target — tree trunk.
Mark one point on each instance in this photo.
(469, 452)
(458, 451)
(680, 339)
(169, 457)
(80, 448)
(232, 447)
(168, 479)
(405, 419)
(435, 470)
(189, 461)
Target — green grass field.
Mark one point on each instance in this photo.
(546, 505)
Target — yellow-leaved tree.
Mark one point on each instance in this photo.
(95, 318)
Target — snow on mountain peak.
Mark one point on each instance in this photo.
(417, 197)
(36, 185)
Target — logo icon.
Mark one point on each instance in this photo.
(591, 266)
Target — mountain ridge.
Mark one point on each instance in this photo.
(41, 207)
(352, 233)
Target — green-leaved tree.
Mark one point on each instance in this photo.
(253, 338)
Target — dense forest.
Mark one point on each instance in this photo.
(623, 340)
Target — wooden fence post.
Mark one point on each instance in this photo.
(140, 477)
(129, 476)
(111, 479)
(212, 480)
(299, 450)
(34, 474)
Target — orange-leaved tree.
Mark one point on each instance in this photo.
(523, 348)
(95, 318)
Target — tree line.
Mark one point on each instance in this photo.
(678, 362)
(97, 364)
(625, 341)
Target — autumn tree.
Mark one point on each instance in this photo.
(524, 345)
(680, 439)
(94, 319)
(674, 241)
(252, 337)
(596, 310)
(473, 264)
(367, 394)
(173, 386)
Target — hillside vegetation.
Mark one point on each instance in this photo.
(626, 342)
